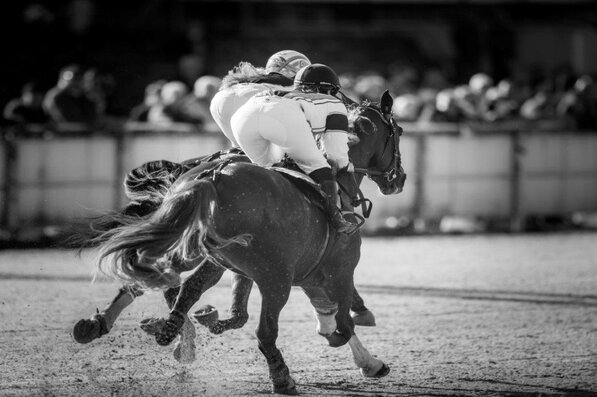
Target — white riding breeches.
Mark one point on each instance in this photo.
(267, 127)
(227, 101)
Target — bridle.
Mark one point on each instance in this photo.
(395, 168)
(391, 173)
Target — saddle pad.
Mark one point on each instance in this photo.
(304, 183)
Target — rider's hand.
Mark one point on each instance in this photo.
(349, 167)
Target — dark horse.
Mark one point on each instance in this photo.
(255, 222)
(141, 187)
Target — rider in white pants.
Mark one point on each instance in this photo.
(274, 123)
(246, 80)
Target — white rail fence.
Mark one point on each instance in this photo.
(47, 177)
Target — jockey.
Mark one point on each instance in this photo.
(274, 123)
(246, 80)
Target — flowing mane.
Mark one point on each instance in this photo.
(356, 121)
(244, 72)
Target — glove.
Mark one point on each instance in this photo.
(348, 168)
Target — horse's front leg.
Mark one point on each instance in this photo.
(342, 290)
(325, 310)
(370, 366)
(86, 330)
(274, 297)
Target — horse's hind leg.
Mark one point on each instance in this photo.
(274, 297)
(241, 290)
(361, 315)
(86, 330)
(205, 276)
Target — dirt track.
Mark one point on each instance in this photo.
(496, 315)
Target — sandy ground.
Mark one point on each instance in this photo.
(460, 315)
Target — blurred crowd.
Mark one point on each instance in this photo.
(82, 96)
(431, 98)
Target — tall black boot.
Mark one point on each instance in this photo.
(330, 188)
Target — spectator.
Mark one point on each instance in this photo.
(68, 101)
(474, 102)
(539, 105)
(168, 109)
(370, 86)
(28, 107)
(152, 97)
(447, 107)
(501, 101)
(580, 103)
(204, 90)
(98, 88)
(347, 82)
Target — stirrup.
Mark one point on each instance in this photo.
(343, 225)
(360, 220)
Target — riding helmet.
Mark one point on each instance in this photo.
(286, 62)
(317, 75)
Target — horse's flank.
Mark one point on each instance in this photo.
(217, 220)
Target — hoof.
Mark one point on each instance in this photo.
(86, 330)
(287, 388)
(207, 316)
(171, 329)
(380, 373)
(152, 325)
(364, 318)
(217, 328)
(384, 370)
(337, 339)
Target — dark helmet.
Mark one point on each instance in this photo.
(317, 76)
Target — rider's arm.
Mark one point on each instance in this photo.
(335, 139)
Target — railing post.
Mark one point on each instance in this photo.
(420, 173)
(120, 147)
(10, 182)
(516, 211)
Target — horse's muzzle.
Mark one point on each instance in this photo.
(395, 187)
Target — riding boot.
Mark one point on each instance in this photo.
(330, 188)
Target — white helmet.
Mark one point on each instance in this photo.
(287, 63)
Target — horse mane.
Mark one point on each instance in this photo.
(357, 122)
(244, 72)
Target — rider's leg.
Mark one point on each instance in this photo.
(323, 176)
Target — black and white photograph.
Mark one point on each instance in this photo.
(298, 197)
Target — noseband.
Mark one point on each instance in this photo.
(395, 168)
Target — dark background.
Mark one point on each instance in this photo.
(136, 42)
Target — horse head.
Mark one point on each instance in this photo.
(376, 152)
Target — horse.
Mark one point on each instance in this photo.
(140, 187)
(255, 222)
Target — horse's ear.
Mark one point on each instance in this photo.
(386, 102)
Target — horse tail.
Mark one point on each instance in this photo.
(181, 226)
(146, 186)
(94, 231)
